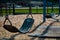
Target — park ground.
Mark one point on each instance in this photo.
(17, 21)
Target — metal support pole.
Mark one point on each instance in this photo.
(44, 10)
(59, 7)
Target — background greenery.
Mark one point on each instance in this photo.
(26, 10)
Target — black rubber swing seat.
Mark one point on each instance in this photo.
(11, 28)
(26, 25)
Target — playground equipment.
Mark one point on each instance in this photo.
(26, 26)
(28, 22)
(44, 19)
(10, 28)
(59, 8)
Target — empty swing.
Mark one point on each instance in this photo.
(9, 28)
(27, 24)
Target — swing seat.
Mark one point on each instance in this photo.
(26, 25)
(11, 28)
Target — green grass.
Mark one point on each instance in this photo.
(34, 10)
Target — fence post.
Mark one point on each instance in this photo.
(1, 13)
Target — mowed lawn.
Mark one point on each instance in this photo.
(34, 10)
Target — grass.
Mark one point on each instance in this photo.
(34, 10)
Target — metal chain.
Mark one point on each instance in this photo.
(6, 18)
(30, 10)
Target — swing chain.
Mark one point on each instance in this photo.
(30, 10)
(6, 18)
(29, 14)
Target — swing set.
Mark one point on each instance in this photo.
(26, 26)
(28, 22)
(46, 35)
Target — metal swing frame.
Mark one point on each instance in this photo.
(44, 20)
